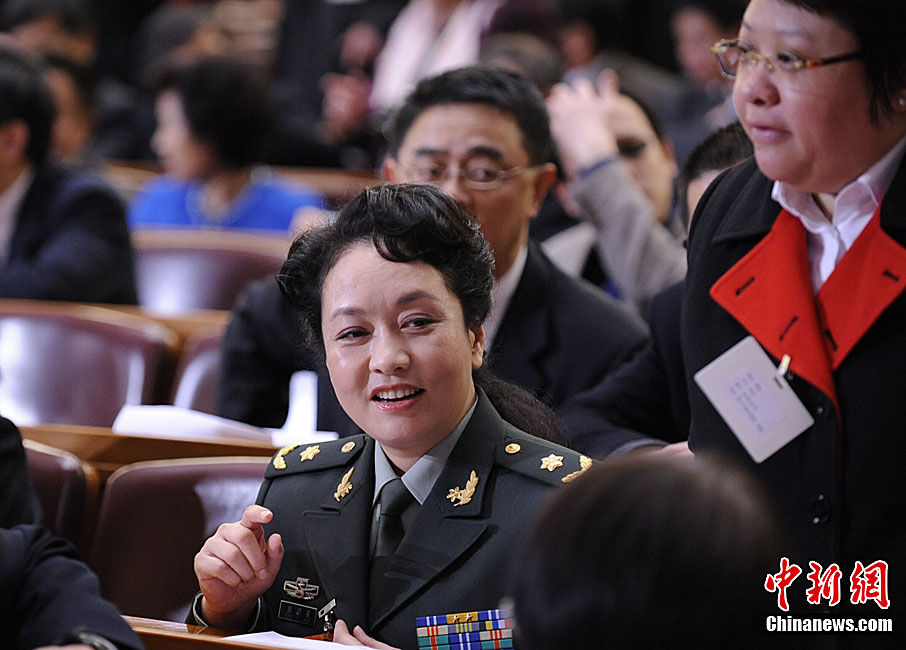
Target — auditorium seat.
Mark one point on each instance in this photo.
(179, 270)
(70, 363)
(153, 519)
(198, 371)
(67, 489)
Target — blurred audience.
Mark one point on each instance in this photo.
(621, 169)
(696, 25)
(648, 552)
(63, 233)
(213, 121)
(67, 30)
(73, 88)
(645, 402)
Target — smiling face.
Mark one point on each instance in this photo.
(459, 135)
(398, 351)
(811, 128)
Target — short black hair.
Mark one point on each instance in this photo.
(726, 147)
(226, 106)
(504, 90)
(625, 553)
(879, 26)
(24, 95)
(405, 223)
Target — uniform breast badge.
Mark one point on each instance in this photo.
(584, 462)
(463, 495)
(300, 588)
(552, 462)
(279, 459)
(310, 452)
(345, 485)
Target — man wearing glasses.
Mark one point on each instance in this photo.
(482, 135)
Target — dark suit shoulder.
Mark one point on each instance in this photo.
(539, 459)
(302, 458)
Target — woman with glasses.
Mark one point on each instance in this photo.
(419, 515)
(794, 309)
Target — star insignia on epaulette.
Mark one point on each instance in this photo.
(584, 462)
(552, 462)
(345, 486)
(463, 495)
(279, 459)
(309, 453)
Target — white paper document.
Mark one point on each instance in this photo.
(274, 640)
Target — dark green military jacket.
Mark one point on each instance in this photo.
(456, 552)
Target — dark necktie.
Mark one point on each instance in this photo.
(395, 498)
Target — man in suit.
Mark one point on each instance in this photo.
(549, 333)
(63, 234)
(18, 501)
(48, 597)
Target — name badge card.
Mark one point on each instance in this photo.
(754, 399)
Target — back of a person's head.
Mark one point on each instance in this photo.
(647, 552)
(226, 106)
(504, 90)
(726, 147)
(25, 96)
(525, 53)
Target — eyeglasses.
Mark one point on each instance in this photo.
(473, 176)
(731, 54)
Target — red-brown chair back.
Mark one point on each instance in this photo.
(154, 517)
(79, 364)
(198, 371)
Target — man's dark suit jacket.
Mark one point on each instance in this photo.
(70, 242)
(559, 336)
(839, 485)
(645, 401)
(18, 501)
(454, 558)
(47, 592)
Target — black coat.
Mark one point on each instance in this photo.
(18, 501)
(645, 401)
(47, 592)
(839, 485)
(70, 242)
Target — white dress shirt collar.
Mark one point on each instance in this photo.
(854, 206)
(502, 292)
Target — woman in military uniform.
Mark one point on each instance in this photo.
(418, 515)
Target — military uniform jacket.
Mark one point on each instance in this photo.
(453, 558)
(840, 485)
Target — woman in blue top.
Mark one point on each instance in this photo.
(212, 122)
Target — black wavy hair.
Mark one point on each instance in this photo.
(405, 223)
(226, 106)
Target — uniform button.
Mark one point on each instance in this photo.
(819, 411)
(820, 510)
